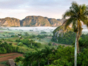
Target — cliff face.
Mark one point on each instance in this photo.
(59, 31)
(39, 21)
(30, 21)
(54, 22)
(35, 21)
(9, 22)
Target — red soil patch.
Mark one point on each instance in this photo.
(1, 65)
(5, 57)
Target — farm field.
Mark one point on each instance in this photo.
(5, 57)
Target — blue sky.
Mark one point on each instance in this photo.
(47, 8)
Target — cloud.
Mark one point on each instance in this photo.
(48, 8)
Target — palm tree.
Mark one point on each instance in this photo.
(39, 55)
(47, 51)
(31, 42)
(76, 15)
(29, 58)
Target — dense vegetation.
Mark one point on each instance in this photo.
(60, 56)
(63, 36)
(48, 56)
(7, 48)
(28, 43)
(67, 38)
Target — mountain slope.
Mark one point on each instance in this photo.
(9, 22)
(39, 21)
(35, 21)
(30, 21)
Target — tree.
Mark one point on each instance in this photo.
(26, 34)
(47, 51)
(31, 42)
(18, 59)
(29, 57)
(20, 44)
(77, 14)
(39, 56)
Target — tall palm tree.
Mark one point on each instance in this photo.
(29, 58)
(76, 15)
(47, 51)
(39, 55)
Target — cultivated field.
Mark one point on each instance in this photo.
(5, 57)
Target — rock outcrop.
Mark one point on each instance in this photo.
(30, 21)
(39, 21)
(9, 22)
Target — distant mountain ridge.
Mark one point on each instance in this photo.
(9, 22)
(30, 21)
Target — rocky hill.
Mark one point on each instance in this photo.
(35, 21)
(30, 21)
(39, 21)
(9, 22)
(60, 31)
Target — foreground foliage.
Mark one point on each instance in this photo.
(7, 48)
(60, 56)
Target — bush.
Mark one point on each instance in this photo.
(20, 44)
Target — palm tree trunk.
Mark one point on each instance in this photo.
(78, 44)
(31, 44)
(48, 62)
(31, 64)
(75, 54)
(38, 63)
(76, 49)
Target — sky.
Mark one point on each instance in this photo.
(47, 8)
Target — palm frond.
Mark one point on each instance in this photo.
(75, 7)
(86, 13)
(84, 20)
(68, 22)
(68, 14)
(82, 8)
(79, 27)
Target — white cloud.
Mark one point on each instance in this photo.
(48, 8)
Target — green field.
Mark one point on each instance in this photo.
(10, 36)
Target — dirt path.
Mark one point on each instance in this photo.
(5, 57)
